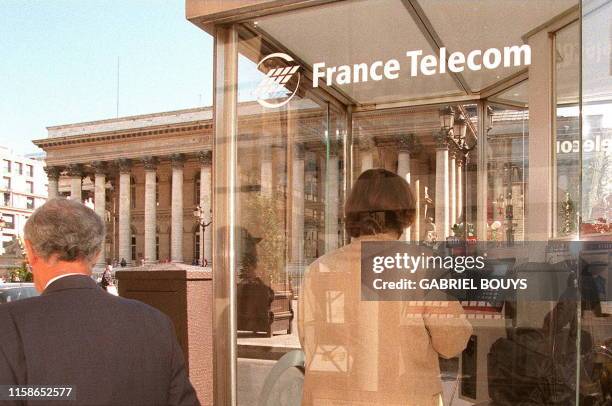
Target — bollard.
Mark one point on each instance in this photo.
(184, 293)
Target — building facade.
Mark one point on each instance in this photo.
(146, 176)
(23, 189)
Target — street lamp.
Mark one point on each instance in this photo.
(454, 129)
(447, 118)
(460, 127)
(198, 213)
(200, 216)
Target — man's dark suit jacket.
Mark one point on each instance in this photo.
(112, 350)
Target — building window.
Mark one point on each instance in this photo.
(30, 203)
(30, 186)
(6, 166)
(157, 247)
(196, 192)
(133, 247)
(6, 183)
(9, 221)
(6, 199)
(157, 193)
(7, 240)
(19, 168)
(196, 247)
(133, 196)
(30, 171)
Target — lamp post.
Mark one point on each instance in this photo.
(447, 118)
(509, 205)
(454, 130)
(459, 128)
(200, 216)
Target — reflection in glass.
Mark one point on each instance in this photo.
(289, 189)
(507, 173)
(567, 132)
(297, 162)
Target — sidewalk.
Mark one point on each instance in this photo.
(258, 346)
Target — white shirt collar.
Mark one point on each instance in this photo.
(60, 277)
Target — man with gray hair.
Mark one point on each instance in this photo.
(109, 350)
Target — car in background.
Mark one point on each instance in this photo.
(9, 292)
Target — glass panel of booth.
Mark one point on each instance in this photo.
(408, 141)
(596, 93)
(289, 193)
(595, 206)
(507, 168)
(566, 201)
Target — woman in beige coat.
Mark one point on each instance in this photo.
(367, 352)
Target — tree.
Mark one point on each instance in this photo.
(270, 246)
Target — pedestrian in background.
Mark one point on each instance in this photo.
(107, 278)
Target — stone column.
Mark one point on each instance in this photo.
(405, 146)
(459, 182)
(53, 174)
(498, 193)
(470, 173)
(125, 229)
(150, 209)
(403, 164)
(331, 200)
(416, 228)
(366, 145)
(206, 206)
(176, 231)
(442, 189)
(452, 179)
(266, 171)
(100, 203)
(75, 172)
(297, 211)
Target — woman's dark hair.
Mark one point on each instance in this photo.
(380, 202)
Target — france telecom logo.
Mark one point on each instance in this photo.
(275, 85)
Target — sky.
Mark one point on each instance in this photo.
(58, 63)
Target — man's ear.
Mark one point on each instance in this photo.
(32, 257)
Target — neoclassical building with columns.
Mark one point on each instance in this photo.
(145, 175)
